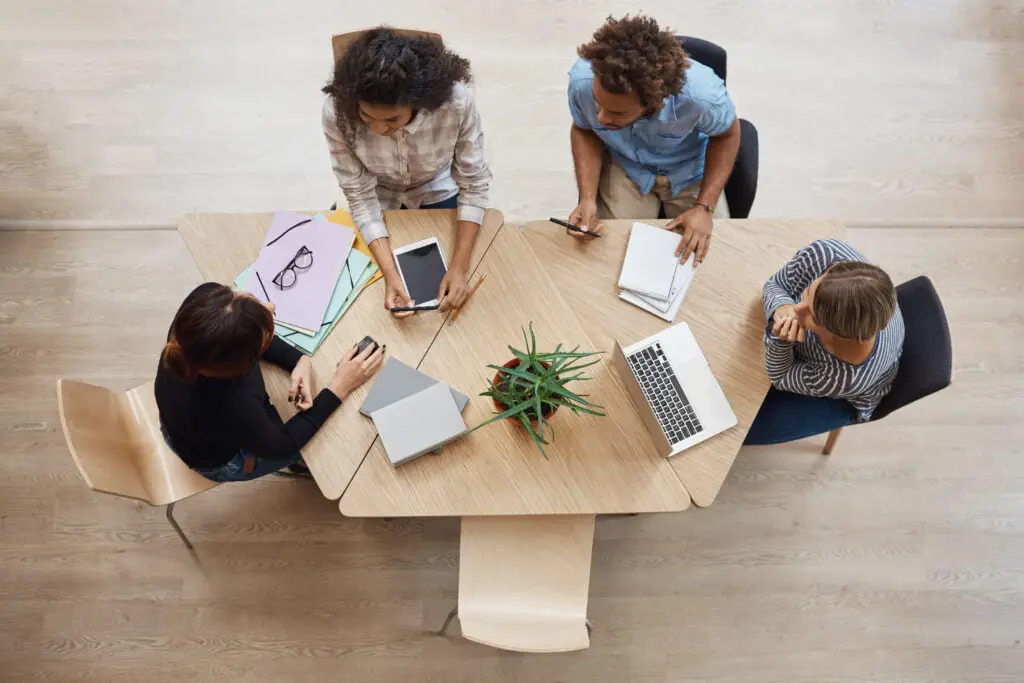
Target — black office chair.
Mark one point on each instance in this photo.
(926, 365)
(741, 188)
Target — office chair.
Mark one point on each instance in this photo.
(115, 440)
(526, 605)
(741, 188)
(926, 364)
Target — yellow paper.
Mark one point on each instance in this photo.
(343, 217)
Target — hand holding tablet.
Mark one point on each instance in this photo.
(422, 267)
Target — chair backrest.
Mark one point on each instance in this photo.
(341, 42)
(926, 364)
(707, 53)
(116, 443)
(524, 581)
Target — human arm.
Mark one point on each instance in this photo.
(788, 283)
(261, 432)
(587, 155)
(357, 183)
(473, 178)
(716, 118)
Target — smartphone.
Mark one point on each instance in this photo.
(361, 346)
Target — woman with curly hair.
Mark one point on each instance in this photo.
(404, 132)
(652, 130)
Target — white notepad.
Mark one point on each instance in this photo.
(419, 423)
(650, 264)
(666, 310)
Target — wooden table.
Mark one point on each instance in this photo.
(225, 244)
(723, 308)
(567, 289)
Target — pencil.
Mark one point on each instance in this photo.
(468, 297)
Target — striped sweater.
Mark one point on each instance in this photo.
(807, 367)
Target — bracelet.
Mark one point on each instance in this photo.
(707, 207)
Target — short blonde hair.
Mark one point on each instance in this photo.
(854, 300)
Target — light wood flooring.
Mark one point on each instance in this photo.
(899, 559)
(130, 113)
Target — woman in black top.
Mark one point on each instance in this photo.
(214, 409)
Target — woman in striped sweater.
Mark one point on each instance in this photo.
(832, 343)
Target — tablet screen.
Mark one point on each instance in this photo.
(422, 270)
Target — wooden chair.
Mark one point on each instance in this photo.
(115, 440)
(341, 42)
(926, 364)
(524, 582)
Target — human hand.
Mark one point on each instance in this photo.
(453, 291)
(585, 216)
(355, 368)
(696, 225)
(783, 311)
(395, 296)
(302, 388)
(789, 330)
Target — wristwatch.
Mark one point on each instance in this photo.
(707, 207)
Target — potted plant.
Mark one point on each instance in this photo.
(529, 388)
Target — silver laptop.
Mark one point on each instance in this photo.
(673, 388)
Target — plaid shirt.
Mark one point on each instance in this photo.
(436, 155)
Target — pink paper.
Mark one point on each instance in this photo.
(304, 304)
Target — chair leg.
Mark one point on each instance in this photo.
(830, 443)
(590, 627)
(451, 615)
(174, 523)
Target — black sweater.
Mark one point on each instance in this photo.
(209, 420)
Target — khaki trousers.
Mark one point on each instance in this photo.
(619, 197)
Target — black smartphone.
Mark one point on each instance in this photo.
(361, 346)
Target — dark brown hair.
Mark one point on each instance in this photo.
(218, 332)
(632, 54)
(854, 300)
(387, 68)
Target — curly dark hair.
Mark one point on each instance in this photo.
(632, 54)
(388, 68)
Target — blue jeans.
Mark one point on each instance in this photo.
(234, 469)
(785, 416)
(450, 203)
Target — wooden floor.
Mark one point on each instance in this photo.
(898, 559)
(125, 113)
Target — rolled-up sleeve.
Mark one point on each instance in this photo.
(707, 91)
(469, 168)
(358, 184)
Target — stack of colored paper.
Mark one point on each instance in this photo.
(358, 272)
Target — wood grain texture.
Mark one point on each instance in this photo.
(595, 464)
(116, 443)
(524, 581)
(897, 559)
(722, 307)
(119, 116)
(225, 244)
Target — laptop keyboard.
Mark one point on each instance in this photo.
(664, 393)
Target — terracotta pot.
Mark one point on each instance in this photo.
(548, 410)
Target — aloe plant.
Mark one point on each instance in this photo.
(538, 385)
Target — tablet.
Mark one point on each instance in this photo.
(422, 267)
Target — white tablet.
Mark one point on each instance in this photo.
(422, 267)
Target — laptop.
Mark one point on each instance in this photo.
(671, 384)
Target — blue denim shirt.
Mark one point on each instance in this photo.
(670, 143)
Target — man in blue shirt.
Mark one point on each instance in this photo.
(652, 129)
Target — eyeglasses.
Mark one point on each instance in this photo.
(289, 275)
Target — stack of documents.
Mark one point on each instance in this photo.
(357, 272)
(652, 276)
(413, 413)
